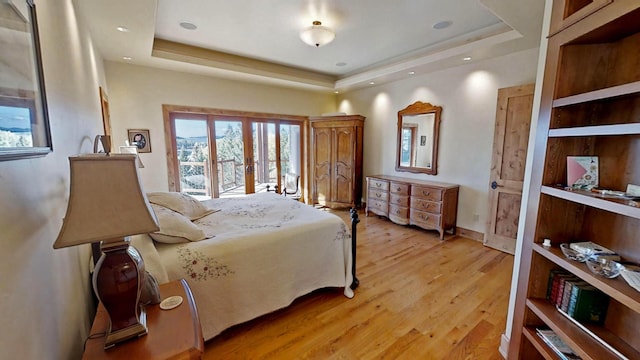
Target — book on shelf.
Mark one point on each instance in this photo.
(576, 297)
(588, 304)
(557, 286)
(566, 293)
(557, 345)
(550, 288)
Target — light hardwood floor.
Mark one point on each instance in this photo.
(419, 298)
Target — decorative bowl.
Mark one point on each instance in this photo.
(571, 254)
(604, 267)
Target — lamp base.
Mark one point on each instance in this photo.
(117, 281)
(127, 333)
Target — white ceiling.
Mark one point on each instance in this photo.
(258, 40)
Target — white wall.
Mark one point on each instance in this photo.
(468, 96)
(45, 295)
(137, 93)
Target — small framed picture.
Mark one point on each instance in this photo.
(141, 139)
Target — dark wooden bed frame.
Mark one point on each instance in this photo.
(354, 225)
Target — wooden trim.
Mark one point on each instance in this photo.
(166, 49)
(470, 234)
(226, 112)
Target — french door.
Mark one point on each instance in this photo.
(225, 156)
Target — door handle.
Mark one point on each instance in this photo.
(494, 185)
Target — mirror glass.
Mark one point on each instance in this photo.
(418, 126)
(24, 126)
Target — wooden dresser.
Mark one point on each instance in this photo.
(429, 205)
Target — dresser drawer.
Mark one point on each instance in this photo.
(425, 192)
(375, 194)
(399, 214)
(378, 184)
(399, 188)
(378, 206)
(426, 205)
(425, 219)
(401, 200)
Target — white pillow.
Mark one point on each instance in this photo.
(174, 227)
(179, 202)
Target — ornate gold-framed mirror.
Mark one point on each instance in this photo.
(418, 130)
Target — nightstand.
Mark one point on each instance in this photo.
(174, 333)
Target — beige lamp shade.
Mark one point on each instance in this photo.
(132, 149)
(106, 201)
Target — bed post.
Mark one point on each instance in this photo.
(354, 223)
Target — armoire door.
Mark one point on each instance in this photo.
(323, 157)
(344, 142)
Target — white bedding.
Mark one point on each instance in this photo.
(267, 250)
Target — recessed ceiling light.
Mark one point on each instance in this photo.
(412, 72)
(122, 29)
(337, 92)
(341, 63)
(188, 25)
(442, 24)
(127, 58)
(468, 58)
(371, 83)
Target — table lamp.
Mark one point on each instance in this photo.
(107, 204)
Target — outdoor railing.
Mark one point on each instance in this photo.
(230, 175)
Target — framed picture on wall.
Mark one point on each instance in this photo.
(141, 139)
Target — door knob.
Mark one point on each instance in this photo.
(495, 185)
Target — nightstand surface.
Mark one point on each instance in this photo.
(172, 334)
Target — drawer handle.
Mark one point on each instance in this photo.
(378, 195)
(426, 206)
(378, 185)
(424, 217)
(397, 211)
(426, 193)
(398, 188)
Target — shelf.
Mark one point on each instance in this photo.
(602, 94)
(616, 204)
(581, 342)
(616, 288)
(602, 130)
(544, 349)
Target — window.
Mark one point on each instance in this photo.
(221, 153)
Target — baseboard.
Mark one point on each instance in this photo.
(470, 234)
(504, 346)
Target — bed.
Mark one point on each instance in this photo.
(258, 254)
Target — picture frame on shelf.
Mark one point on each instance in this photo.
(582, 172)
(141, 139)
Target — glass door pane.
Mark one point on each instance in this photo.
(290, 145)
(291, 156)
(192, 144)
(230, 158)
(265, 170)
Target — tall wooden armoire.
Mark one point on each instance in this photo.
(336, 160)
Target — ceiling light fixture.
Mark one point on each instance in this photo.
(188, 25)
(412, 72)
(127, 58)
(442, 24)
(468, 58)
(122, 29)
(317, 35)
